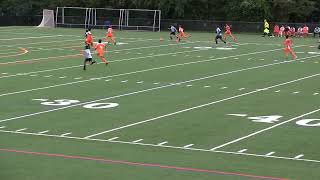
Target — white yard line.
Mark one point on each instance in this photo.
(162, 143)
(146, 90)
(114, 138)
(39, 59)
(36, 37)
(266, 129)
(136, 141)
(187, 146)
(76, 66)
(19, 130)
(270, 153)
(115, 51)
(66, 134)
(209, 104)
(76, 55)
(43, 132)
(299, 156)
(242, 150)
(45, 42)
(52, 42)
(162, 146)
(141, 71)
(12, 52)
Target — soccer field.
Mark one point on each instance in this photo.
(192, 111)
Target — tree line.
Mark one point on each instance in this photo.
(227, 10)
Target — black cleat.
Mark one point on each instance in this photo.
(92, 62)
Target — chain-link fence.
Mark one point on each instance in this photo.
(210, 26)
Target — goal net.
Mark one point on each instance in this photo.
(47, 18)
(123, 19)
(141, 19)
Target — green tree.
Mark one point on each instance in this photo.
(249, 10)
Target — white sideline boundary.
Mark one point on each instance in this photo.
(162, 146)
(215, 102)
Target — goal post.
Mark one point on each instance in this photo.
(123, 19)
(76, 17)
(47, 18)
(141, 19)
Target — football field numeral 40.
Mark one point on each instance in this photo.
(67, 102)
(276, 118)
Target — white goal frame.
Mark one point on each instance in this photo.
(47, 18)
(121, 18)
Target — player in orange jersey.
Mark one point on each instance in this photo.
(228, 33)
(276, 30)
(305, 31)
(110, 35)
(100, 48)
(288, 47)
(181, 34)
(89, 38)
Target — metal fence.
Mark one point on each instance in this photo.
(237, 26)
(189, 25)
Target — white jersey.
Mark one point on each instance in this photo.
(110, 30)
(87, 54)
(181, 30)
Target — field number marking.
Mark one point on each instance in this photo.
(275, 118)
(67, 102)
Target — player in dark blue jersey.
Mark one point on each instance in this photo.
(219, 35)
(173, 31)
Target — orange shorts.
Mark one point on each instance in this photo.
(182, 35)
(110, 35)
(227, 33)
(100, 53)
(89, 41)
(287, 49)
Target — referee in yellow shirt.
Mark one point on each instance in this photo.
(266, 30)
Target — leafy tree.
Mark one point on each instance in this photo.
(231, 10)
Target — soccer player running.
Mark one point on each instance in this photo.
(87, 57)
(89, 38)
(182, 34)
(173, 31)
(100, 48)
(288, 47)
(228, 33)
(219, 35)
(110, 36)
